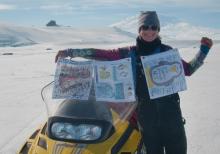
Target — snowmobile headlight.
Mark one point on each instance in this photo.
(88, 131)
(80, 132)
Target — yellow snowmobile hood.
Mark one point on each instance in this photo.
(124, 139)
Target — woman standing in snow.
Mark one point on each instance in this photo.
(160, 119)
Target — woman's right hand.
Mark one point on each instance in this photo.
(61, 54)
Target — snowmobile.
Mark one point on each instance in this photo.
(85, 127)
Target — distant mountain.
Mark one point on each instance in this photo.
(186, 31)
(130, 24)
(171, 29)
(51, 23)
(15, 36)
(124, 31)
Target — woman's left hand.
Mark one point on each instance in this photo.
(207, 41)
(206, 44)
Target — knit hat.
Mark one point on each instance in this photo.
(148, 18)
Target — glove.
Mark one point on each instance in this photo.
(198, 60)
(61, 54)
(206, 44)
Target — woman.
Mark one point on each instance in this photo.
(160, 119)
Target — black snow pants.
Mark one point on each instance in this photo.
(162, 127)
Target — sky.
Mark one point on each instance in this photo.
(99, 13)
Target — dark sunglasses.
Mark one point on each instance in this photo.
(153, 27)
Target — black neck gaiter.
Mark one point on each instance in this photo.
(143, 48)
(146, 48)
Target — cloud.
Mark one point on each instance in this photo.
(6, 7)
(194, 3)
(56, 7)
(92, 4)
(203, 4)
(91, 7)
(67, 8)
(72, 6)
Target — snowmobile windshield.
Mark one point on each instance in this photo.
(74, 92)
(112, 112)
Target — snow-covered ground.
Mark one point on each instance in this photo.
(29, 68)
